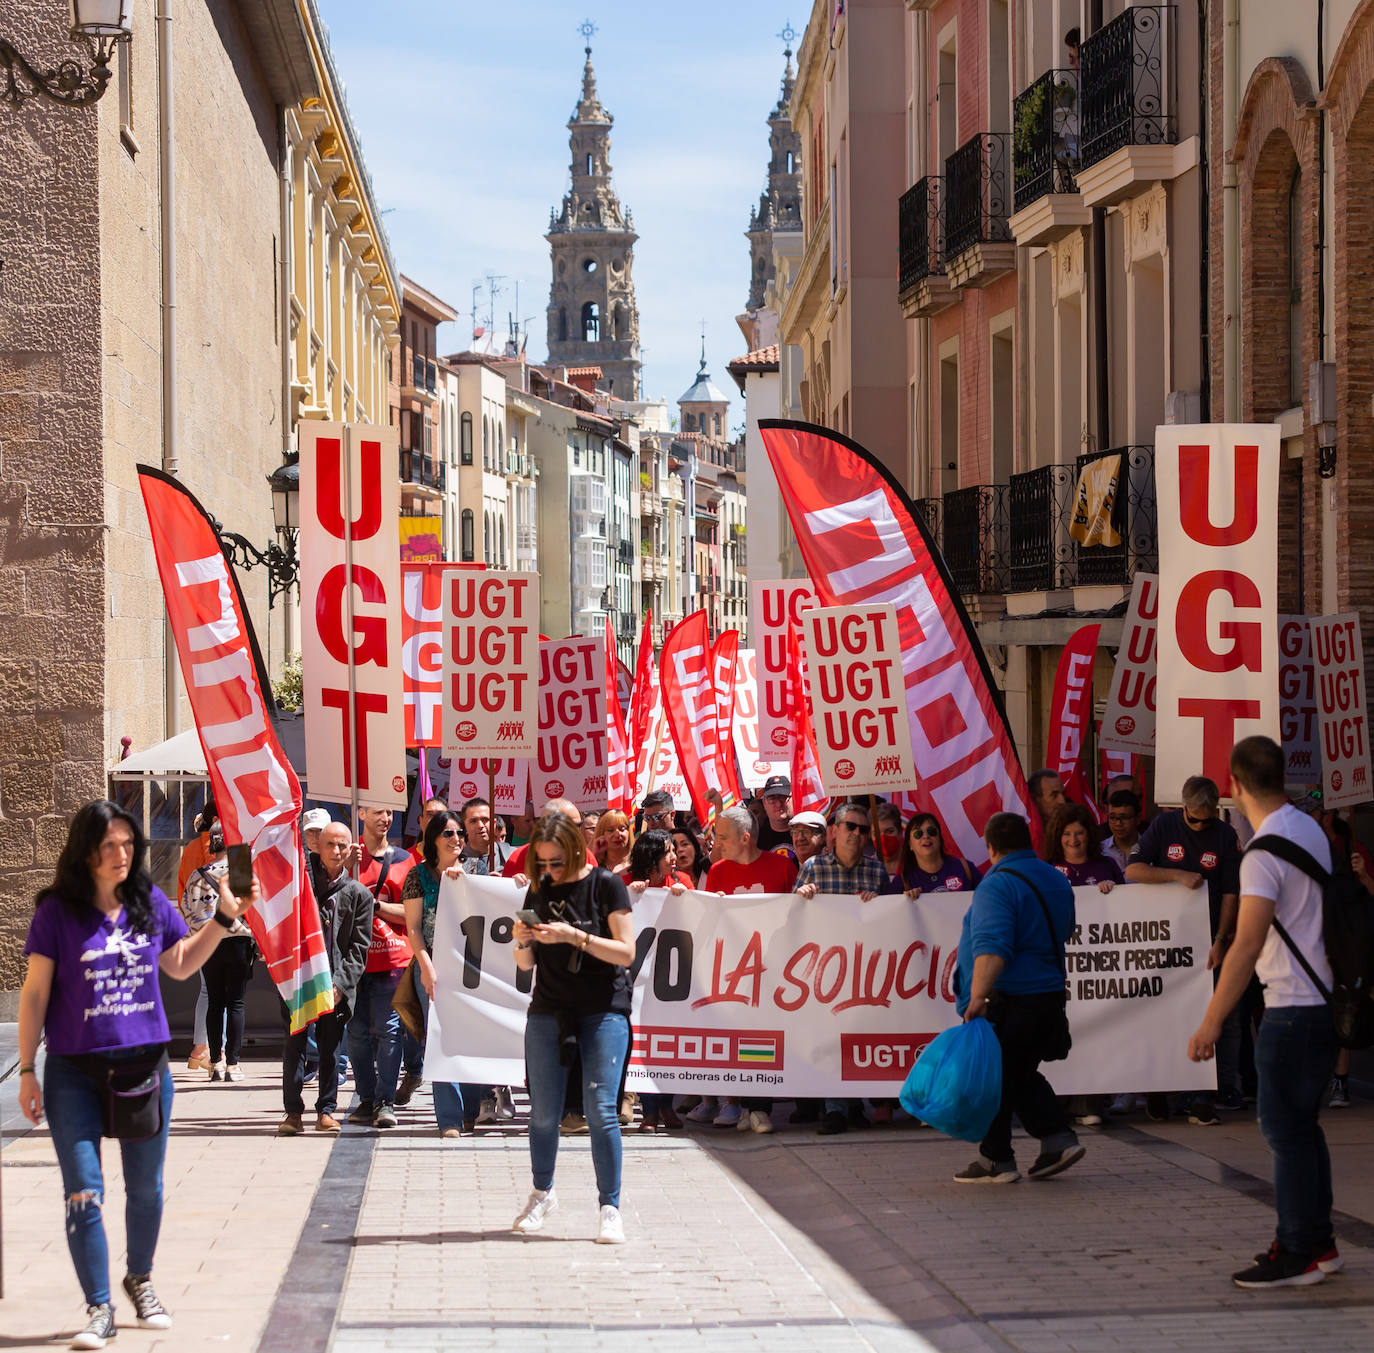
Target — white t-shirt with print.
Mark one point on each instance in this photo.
(1297, 905)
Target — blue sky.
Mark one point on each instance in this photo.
(462, 108)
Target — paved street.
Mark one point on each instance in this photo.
(400, 1241)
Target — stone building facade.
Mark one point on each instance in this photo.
(592, 316)
(85, 375)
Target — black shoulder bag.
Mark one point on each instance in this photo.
(1058, 1040)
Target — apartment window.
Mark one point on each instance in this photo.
(949, 422)
(467, 533)
(123, 71)
(465, 439)
(1295, 381)
(486, 443)
(486, 538)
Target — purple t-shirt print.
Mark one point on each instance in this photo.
(953, 876)
(1091, 872)
(105, 992)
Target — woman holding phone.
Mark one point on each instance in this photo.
(99, 934)
(575, 933)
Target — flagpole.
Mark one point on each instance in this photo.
(491, 808)
(352, 720)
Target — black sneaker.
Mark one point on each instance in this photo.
(833, 1124)
(985, 1171)
(1328, 1257)
(151, 1314)
(1281, 1268)
(1049, 1163)
(1157, 1108)
(363, 1114)
(410, 1082)
(100, 1328)
(1203, 1115)
(1230, 1101)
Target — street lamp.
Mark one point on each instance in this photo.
(100, 24)
(281, 561)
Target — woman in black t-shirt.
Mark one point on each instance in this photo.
(581, 952)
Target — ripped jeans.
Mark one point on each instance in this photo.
(72, 1105)
(604, 1041)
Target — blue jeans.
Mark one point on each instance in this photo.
(1295, 1054)
(604, 1041)
(72, 1102)
(374, 1037)
(454, 1104)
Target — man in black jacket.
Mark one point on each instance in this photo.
(346, 920)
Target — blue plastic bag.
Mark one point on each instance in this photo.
(956, 1084)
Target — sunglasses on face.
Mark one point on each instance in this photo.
(926, 833)
(557, 862)
(452, 831)
(861, 827)
(659, 817)
(1197, 821)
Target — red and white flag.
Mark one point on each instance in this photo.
(808, 789)
(618, 764)
(689, 701)
(1070, 711)
(644, 713)
(256, 791)
(863, 542)
(724, 659)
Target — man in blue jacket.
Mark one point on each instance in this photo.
(1011, 973)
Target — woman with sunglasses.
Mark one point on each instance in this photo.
(455, 1106)
(580, 953)
(923, 866)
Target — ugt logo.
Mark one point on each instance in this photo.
(512, 730)
(594, 784)
(888, 765)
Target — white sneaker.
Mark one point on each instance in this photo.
(233, 1073)
(531, 1219)
(759, 1121)
(728, 1116)
(487, 1113)
(611, 1229)
(505, 1103)
(704, 1112)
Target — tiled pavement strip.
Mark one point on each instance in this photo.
(737, 1242)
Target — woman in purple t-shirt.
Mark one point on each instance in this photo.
(98, 936)
(1073, 848)
(923, 866)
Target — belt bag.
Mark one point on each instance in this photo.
(130, 1093)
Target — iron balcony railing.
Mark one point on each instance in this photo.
(975, 535)
(1045, 137)
(930, 511)
(1127, 80)
(977, 196)
(1041, 503)
(1135, 519)
(920, 232)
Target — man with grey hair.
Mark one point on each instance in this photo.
(1194, 846)
(743, 867)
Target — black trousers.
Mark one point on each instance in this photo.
(1025, 1027)
(329, 1032)
(227, 971)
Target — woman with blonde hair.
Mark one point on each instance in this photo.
(580, 952)
(613, 841)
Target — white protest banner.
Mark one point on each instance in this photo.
(1338, 656)
(1128, 724)
(350, 578)
(858, 699)
(491, 664)
(571, 762)
(1217, 487)
(777, 607)
(1298, 703)
(777, 995)
(753, 767)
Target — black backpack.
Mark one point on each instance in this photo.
(1347, 935)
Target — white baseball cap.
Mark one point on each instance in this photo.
(315, 817)
(807, 820)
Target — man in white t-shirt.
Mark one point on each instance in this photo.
(1295, 1049)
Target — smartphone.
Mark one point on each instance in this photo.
(528, 916)
(241, 870)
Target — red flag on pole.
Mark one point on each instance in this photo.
(257, 794)
(863, 542)
(689, 700)
(618, 765)
(643, 701)
(808, 789)
(1070, 711)
(724, 657)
